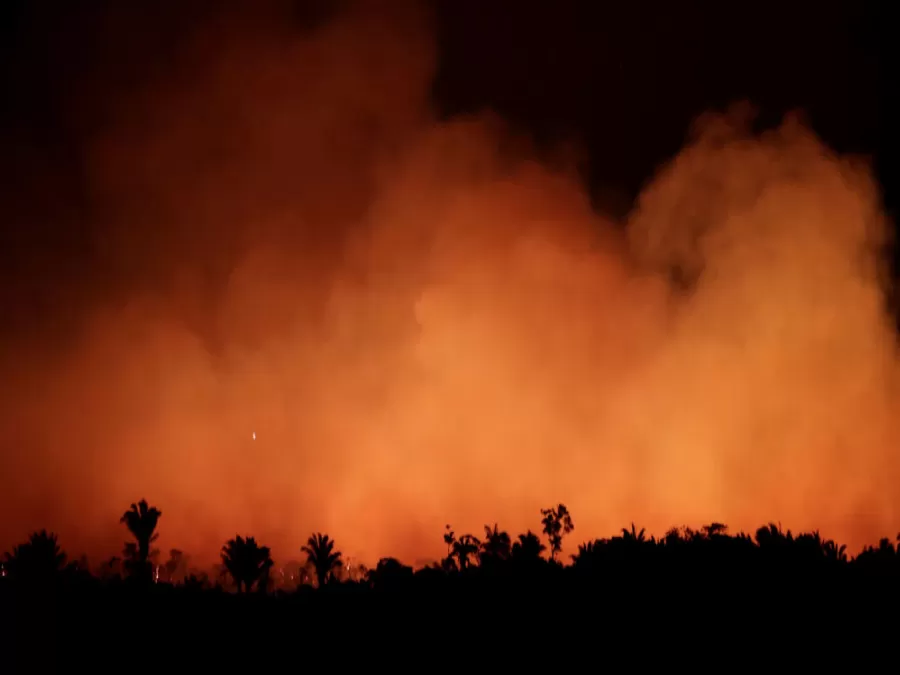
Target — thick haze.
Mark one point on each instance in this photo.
(423, 325)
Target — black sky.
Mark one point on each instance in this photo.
(623, 79)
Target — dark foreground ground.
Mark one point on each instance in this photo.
(549, 617)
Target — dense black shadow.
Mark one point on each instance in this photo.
(498, 587)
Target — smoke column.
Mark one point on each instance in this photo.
(316, 307)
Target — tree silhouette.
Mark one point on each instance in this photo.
(246, 561)
(195, 583)
(449, 563)
(497, 545)
(320, 554)
(557, 523)
(450, 539)
(684, 561)
(83, 564)
(528, 548)
(713, 530)
(176, 566)
(141, 520)
(881, 558)
(39, 559)
(464, 548)
(673, 538)
(131, 560)
(111, 568)
(390, 573)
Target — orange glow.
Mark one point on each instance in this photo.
(345, 316)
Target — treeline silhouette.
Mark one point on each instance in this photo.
(247, 566)
(482, 582)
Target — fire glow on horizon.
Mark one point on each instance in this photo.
(428, 327)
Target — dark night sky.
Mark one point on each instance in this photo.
(628, 78)
(623, 79)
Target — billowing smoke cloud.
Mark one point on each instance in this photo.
(421, 324)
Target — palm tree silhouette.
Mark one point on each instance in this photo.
(497, 545)
(320, 554)
(39, 558)
(634, 536)
(587, 552)
(834, 552)
(464, 548)
(141, 520)
(246, 561)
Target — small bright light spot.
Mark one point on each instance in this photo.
(254, 435)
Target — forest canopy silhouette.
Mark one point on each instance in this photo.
(316, 307)
(495, 561)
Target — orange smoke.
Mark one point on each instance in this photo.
(422, 326)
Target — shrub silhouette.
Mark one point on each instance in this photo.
(37, 560)
(390, 574)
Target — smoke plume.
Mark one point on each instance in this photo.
(320, 308)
